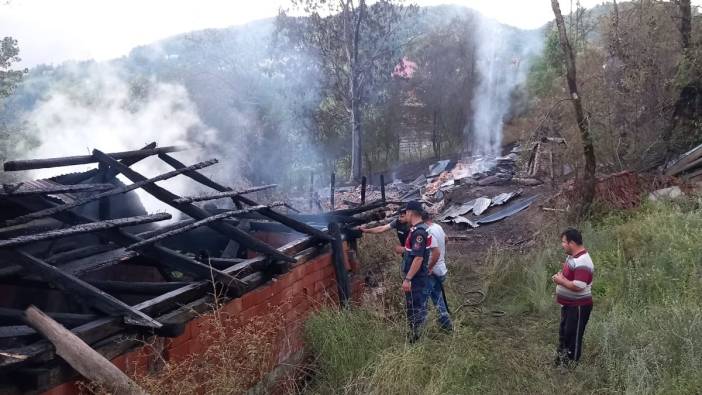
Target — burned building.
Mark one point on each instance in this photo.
(83, 249)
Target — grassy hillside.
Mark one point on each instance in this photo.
(643, 336)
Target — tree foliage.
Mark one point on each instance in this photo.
(357, 46)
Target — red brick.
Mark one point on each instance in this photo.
(233, 307)
(285, 281)
(256, 297)
(120, 362)
(179, 352)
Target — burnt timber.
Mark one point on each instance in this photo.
(77, 246)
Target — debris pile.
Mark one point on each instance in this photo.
(435, 189)
(688, 166)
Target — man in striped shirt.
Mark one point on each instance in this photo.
(574, 294)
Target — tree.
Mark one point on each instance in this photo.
(357, 45)
(582, 121)
(9, 54)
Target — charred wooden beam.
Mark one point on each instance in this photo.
(81, 266)
(116, 191)
(226, 194)
(358, 210)
(33, 164)
(191, 226)
(88, 294)
(22, 189)
(196, 212)
(363, 190)
(140, 288)
(342, 277)
(84, 228)
(109, 173)
(78, 253)
(382, 187)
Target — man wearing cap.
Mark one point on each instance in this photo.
(415, 267)
(438, 271)
(399, 224)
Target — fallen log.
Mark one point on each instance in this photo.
(80, 356)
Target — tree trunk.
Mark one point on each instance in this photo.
(356, 140)
(583, 123)
(685, 23)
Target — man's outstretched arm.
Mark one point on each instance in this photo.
(377, 229)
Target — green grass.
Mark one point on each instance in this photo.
(644, 337)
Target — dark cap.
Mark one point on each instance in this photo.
(415, 206)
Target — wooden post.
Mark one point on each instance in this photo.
(342, 277)
(311, 190)
(364, 182)
(80, 356)
(331, 195)
(382, 188)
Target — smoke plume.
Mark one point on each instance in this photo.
(97, 107)
(503, 61)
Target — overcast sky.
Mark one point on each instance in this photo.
(53, 31)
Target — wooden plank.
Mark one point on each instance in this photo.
(88, 362)
(88, 294)
(192, 226)
(80, 267)
(225, 194)
(78, 253)
(23, 189)
(115, 191)
(33, 164)
(196, 212)
(84, 228)
(135, 287)
(690, 158)
(342, 276)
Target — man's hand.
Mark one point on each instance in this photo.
(398, 249)
(558, 278)
(407, 286)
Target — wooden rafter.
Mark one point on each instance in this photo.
(196, 212)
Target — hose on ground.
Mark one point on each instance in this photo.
(477, 303)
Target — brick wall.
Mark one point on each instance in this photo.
(304, 289)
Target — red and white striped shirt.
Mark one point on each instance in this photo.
(579, 269)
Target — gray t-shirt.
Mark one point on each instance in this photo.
(438, 240)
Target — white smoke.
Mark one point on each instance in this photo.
(100, 109)
(503, 58)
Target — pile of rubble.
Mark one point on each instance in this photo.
(443, 177)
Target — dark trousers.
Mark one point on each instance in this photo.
(416, 303)
(570, 336)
